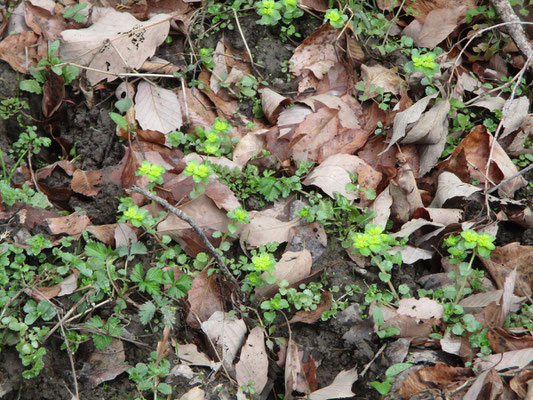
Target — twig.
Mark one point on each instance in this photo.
(71, 359)
(181, 215)
(516, 31)
(505, 112)
(521, 172)
(246, 44)
(367, 366)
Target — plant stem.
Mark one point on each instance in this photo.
(463, 283)
(391, 286)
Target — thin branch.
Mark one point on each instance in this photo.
(245, 43)
(516, 31)
(521, 172)
(181, 215)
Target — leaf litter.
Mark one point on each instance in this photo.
(420, 193)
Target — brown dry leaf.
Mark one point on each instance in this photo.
(292, 267)
(340, 388)
(227, 333)
(53, 93)
(408, 326)
(68, 286)
(113, 38)
(503, 260)
(522, 384)
(124, 235)
(317, 5)
(310, 317)
(382, 207)
(406, 198)
(264, 229)
(272, 104)
(104, 233)
(190, 354)
(44, 22)
(198, 111)
(333, 174)
(438, 25)
(441, 376)
(515, 116)
(22, 51)
(518, 359)
(86, 182)
(449, 187)
(316, 53)
(411, 254)
(72, 224)
(104, 365)
(422, 8)
(377, 76)
(501, 341)
(157, 109)
(312, 237)
(204, 298)
(334, 127)
(194, 394)
(249, 146)
(421, 309)
(300, 370)
(475, 148)
(445, 216)
(253, 362)
(207, 216)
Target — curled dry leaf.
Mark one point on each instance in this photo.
(113, 38)
(86, 182)
(300, 375)
(253, 362)
(449, 187)
(249, 146)
(272, 104)
(21, 51)
(68, 286)
(157, 109)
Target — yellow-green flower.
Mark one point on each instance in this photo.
(135, 215)
(154, 172)
(470, 236)
(221, 125)
(263, 262)
(211, 148)
(212, 137)
(485, 240)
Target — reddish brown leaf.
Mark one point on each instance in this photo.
(204, 298)
(310, 317)
(72, 224)
(86, 182)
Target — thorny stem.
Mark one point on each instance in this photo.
(181, 215)
(391, 286)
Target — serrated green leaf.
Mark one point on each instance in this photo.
(31, 85)
(147, 312)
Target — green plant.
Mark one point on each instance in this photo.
(68, 72)
(271, 307)
(375, 244)
(426, 64)
(74, 12)
(269, 10)
(200, 173)
(335, 18)
(384, 386)
(148, 376)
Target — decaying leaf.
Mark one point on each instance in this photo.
(253, 362)
(114, 37)
(227, 333)
(157, 109)
(72, 224)
(204, 299)
(264, 229)
(86, 182)
(379, 77)
(340, 388)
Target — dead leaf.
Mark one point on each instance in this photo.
(272, 104)
(190, 354)
(113, 38)
(104, 365)
(204, 298)
(264, 229)
(253, 362)
(333, 174)
(449, 187)
(438, 25)
(194, 394)
(53, 93)
(503, 260)
(104, 233)
(86, 182)
(124, 235)
(157, 109)
(421, 309)
(300, 370)
(72, 224)
(510, 359)
(250, 145)
(379, 77)
(292, 267)
(340, 388)
(227, 333)
(515, 116)
(310, 317)
(43, 21)
(68, 286)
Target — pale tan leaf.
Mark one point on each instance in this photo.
(438, 25)
(194, 394)
(292, 267)
(250, 145)
(423, 308)
(264, 229)
(124, 235)
(190, 354)
(333, 174)
(272, 103)
(382, 207)
(516, 114)
(511, 359)
(449, 187)
(114, 38)
(227, 333)
(253, 362)
(340, 388)
(72, 224)
(157, 109)
(377, 76)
